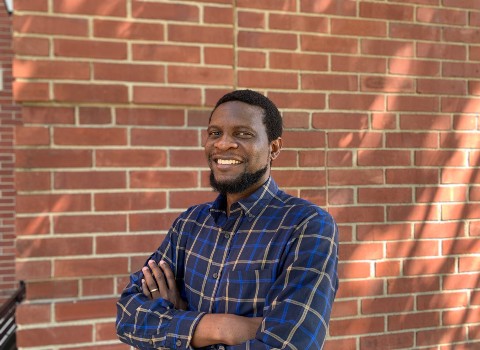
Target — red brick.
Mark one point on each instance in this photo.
(31, 46)
(412, 103)
(464, 35)
(26, 5)
(404, 340)
(425, 122)
(355, 139)
(442, 87)
(48, 115)
(469, 264)
(386, 84)
(410, 285)
(33, 270)
(247, 19)
(355, 289)
(384, 305)
(316, 196)
(90, 136)
(460, 211)
(358, 64)
(441, 50)
(33, 313)
(128, 30)
(339, 158)
(97, 286)
(95, 115)
(219, 56)
(129, 72)
(37, 247)
(90, 267)
(305, 139)
(384, 121)
(460, 70)
(382, 232)
(464, 122)
(251, 59)
(84, 309)
(355, 177)
(410, 140)
(38, 225)
(106, 331)
(130, 201)
(460, 105)
(343, 308)
(218, 15)
(89, 223)
(304, 62)
(340, 343)
(353, 270)
(409, 249)
(412, 213)
(357, 101)
(353, 252)
(90, 93)
(439, 230)
(164, 52)
(461, 246)
(291, 22)
(91, 7)
(127, 244)
(442, 16)
(32, 181)
(440, 194)
(362, 325)
(306, 178)
(315, 43)
(184, 199)
(167, 95)
(460, 281)
(413, 320)
(387, 268)
(298, 100)
(442, 300)
(383, 158)
(53, 203)
(130, 158)
(462, 316)
(311, 158)
(265, 79)
(441, 336)
(358, 214)
(387, 11)
(51, 25)
(271, 40)
(187, 158)
(441, 158)
(151, 221)
(30, 91)
(460, 140)
(163, 179)
(358, 27)
(54, 335)
(329, 82)
(165, 11)
(409, 30)
(38, 136)
(415, 267)
(289, 5)
(387, 48)
(152, 137)
(53, 158)
(150, 116)
(200, 34)
(340, 8)
(200, 75)
(81, 180)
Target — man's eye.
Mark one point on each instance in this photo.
(213, 133)
(244, 134)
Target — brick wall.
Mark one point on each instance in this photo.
(9, 117)
(381, 103)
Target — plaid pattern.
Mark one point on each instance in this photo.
(275, 256)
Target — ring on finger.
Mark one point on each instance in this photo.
(153, 290)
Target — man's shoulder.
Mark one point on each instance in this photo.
(302, 207)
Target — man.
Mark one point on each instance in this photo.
(255, 269)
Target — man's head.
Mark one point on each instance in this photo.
(243, 138)
(272, 118)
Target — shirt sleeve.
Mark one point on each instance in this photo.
(299, 304)
(154, 324)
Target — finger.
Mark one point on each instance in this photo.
(169, 276)
(150, 280)
(160, 278)
(145, 289)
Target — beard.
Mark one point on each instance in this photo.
(242, 183)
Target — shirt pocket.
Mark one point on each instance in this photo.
(246, 291)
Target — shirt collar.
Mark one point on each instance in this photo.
(252, 205)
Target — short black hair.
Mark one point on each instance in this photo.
(272, 119)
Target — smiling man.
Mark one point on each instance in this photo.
(255, 269)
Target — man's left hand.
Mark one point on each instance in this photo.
(160, 282)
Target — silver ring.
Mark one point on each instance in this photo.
(153, 290)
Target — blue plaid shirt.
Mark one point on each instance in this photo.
(274, 256)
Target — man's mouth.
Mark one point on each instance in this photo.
(227, 161)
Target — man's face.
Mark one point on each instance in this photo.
(237, 148)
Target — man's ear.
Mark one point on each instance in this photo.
(275, 147)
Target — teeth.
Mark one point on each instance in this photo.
(227, 161)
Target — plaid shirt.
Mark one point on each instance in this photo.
(274, 256)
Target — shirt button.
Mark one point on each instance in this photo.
(227, 235)
(221, 347)
(215, 275)
(178, 343)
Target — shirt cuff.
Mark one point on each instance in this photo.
(182, 326)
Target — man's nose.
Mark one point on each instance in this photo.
(225, 142)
